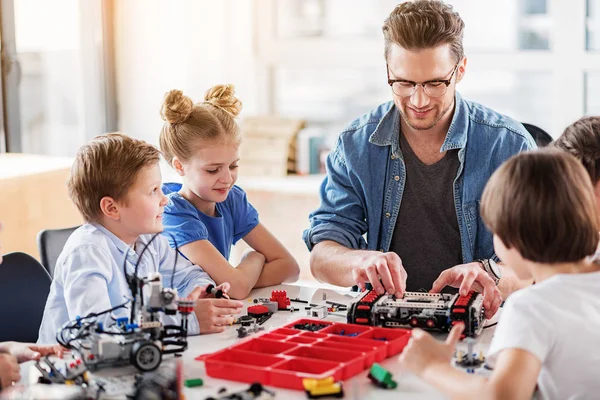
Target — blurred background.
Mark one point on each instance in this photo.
(73, 69)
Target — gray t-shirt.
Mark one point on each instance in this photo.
(426, 235)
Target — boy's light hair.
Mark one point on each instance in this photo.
(188, 125)
(542, 204)
(582, 139)
(424, 24)
(107, 166)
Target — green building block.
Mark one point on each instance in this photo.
(193, 382)
(381, 377)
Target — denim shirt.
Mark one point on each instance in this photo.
(361, 194)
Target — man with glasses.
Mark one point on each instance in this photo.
(400, 203)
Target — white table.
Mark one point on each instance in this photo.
(359, 387)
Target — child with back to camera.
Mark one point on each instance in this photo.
(208, 213)
(542, 210)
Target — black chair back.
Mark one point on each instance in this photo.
(50, 244)
(541, 137)
(24, 288)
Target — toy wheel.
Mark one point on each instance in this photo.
(43, 380)
(350, 315)
(256, 389)
(146, 356)
(414, 322)
(431, 323)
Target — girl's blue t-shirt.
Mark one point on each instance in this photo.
(235, 218)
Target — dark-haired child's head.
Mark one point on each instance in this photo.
(582, 140)
(541, 207)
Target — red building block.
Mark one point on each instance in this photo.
(280, 296)
(257, 311)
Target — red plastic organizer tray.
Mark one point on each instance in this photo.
(284, 356)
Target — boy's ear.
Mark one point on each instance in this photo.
(109, 208)
(177, 166)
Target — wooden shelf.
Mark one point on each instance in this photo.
(13, 165)
(34, 197)
(300, 184)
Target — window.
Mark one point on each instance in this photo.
(518, 25)
(592, 88)
(341, 19)
(56, 90)
(593, 25)
(530, 65)
(523, 95)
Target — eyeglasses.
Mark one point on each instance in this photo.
(434, 88)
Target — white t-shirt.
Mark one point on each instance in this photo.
(558, 321)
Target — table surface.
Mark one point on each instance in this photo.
(359, 387)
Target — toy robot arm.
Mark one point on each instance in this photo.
(193, 325)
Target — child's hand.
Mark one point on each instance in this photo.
(30, 351)
(9, 370)
(215, 314)
(201, 293)
(423, 350)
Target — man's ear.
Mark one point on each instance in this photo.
(109, 208)
(178, 166)
(462, 67)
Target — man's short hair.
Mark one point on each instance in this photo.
(542, 204)
(107, 166)
(582, 139)
(424, 24)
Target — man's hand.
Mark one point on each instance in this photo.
(378, 268)
(423, 351)
(469, 277)
(9, 370)
(215, 314)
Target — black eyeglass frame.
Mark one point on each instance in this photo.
(446, 82)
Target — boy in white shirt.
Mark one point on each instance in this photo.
(542, 210)
(115, 183)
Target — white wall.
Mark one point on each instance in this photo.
(179, 44)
